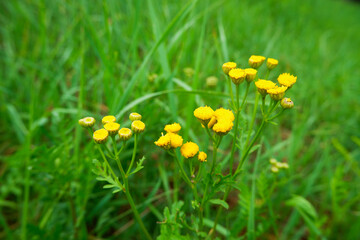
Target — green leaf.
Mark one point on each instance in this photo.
(301, 204)
(219, 202)
(139, 166)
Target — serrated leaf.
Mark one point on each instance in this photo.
(116, 190)
(303, 205)
(101, 179)
(109, 186)
(219, 202)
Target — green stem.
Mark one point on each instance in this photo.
(230, 90)
(209, 134)
(252, 119)
(108, 165)
(237, 113)
(133, 155)
(275, 116)
(183, 173)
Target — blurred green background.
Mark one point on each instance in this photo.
(63, 60)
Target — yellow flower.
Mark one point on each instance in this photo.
(100, 136)
(189, 149)
(271, 63)
(202, 157)
(277, 93)
(112, 128)
(172, 128)
(204, 114)
(222, 127)
(250, 74)
(237, 75)
(87, 122)
(226, 67)
(134, 116)
(273, 161)
(211, 81)
(163, 141)
(264, 85)
(137, 126)
(274, 169)
(125, 134)
(286, 103)
(175, 140)
(189, 72)
(256, 61)
(222, 113)
(287, 80)
(108, 119)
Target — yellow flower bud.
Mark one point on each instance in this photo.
(256, 61)
(274, 169)
(202, 157)
(271, 63)
(134, 116)
(204, 114)
(112, 128)
(226, 67)
(286, 103)
(211, 81)
(172, 128)
(287, 80)
(125, 134)
(250, 74)
(100, 136)
(138, 126)
(237, 75)
(87, 122)
(189, 149)
(277, 93)
(264, 85)
(108, 119)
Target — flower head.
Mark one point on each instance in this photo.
(271, 63)
(163, 141)
(250, 74)
(264, 85)
(222, 127)
(256, 61)
(204, 114)
(100, 136)
(189, 149)
(226, 114)
(134, 116)
(277, 93)
(125, 134)
(222, 121)
(137, 126)
(202, 157)
(274, 169)
(211, 81)
(287, 80)
(172, 128)
(226, 67)
(237, 75)
(175, 140)
(112, 128)
(87, 122)
(286, 103)
(108, 119)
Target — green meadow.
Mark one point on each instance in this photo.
(62, 61)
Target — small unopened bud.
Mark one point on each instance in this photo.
(250, 74)
(286, 103)
(273, 161)
(237, 75)
(134, 116)
(87, 122)
(274, 169)
(189, 72)
(256, 61)
(152, 77)
(271, 63)
(125, 134)
(138, 126)
(211, 81)
(226, 67)
(112, 128)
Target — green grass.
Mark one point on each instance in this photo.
(62, 60)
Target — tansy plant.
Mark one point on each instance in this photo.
(103, 169)
(209, 179)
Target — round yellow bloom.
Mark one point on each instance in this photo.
(277, 93)
(134, 116)
(202, 157)
(287, 80)
(172, 128)
(264, 85)
(125, 134)
(112, 128)
(271, 63)
(211, 81)
(286, 103)
(226, 67)
(222, 127)
(108, 119)
(222, 113)
(163, 141)
(137, 126)
(256, 61)
(237, 75)
(273, 161)
(100, 136)
(87, 122)
(189, 149)
(175, 140)
(250, 74)
(204, 114)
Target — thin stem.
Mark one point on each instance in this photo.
(230, 90)
(237, 112)
(133, 155)
(276, 115)
(183, 173)
(108, 165)
(209, 134)
(253, 118)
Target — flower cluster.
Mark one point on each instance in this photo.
(238, 75)
(112, 128)
(220, 121)
(276, 166)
